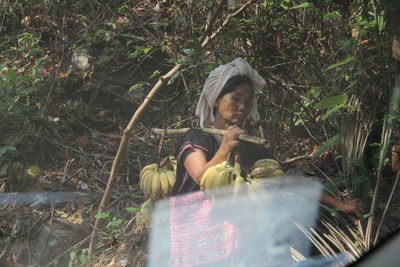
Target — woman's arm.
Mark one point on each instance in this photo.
(351, 207)
(195, 162)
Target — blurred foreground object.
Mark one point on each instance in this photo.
(248, 230)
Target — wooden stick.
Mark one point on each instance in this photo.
(120, 153)
(242, 137)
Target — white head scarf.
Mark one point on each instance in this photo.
(216, 81)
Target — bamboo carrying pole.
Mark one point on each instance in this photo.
(128, 130)
(242, 137)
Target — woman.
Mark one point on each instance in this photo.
(228, 100)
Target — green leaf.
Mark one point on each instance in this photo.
(332, 15)
(303, 5)
(155, 73)
(136, 196)
(173, 78)
(147, 49)
(332, 110)
(283, 4)
(134, 54)
(331, 101)
(133, 209)
(330, 143)
(115, 223)
(381, 21)
(102, 215)
(135, 86)
(341, 63)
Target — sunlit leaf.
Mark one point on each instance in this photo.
(135, 86)
(147, 49)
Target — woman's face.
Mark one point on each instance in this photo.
(234, 107)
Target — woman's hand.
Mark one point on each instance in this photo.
(195, 162)
(351, 208)
(231, 139)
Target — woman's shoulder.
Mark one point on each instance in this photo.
(196, 140)
(196, 135)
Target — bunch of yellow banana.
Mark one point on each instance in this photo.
(265, 168)
(218, 175)
(157, 182)
(239, 186)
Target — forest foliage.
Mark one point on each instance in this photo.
(332, 69)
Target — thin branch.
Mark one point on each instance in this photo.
(210, 25)
(226, 21)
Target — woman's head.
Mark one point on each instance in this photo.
(224, 81)
(234, 102)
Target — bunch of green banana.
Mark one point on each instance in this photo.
(156, 182)
(265, 168)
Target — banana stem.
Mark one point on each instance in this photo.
(160, 147)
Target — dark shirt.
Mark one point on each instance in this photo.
(196, 140)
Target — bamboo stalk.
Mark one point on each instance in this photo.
(242, 137)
